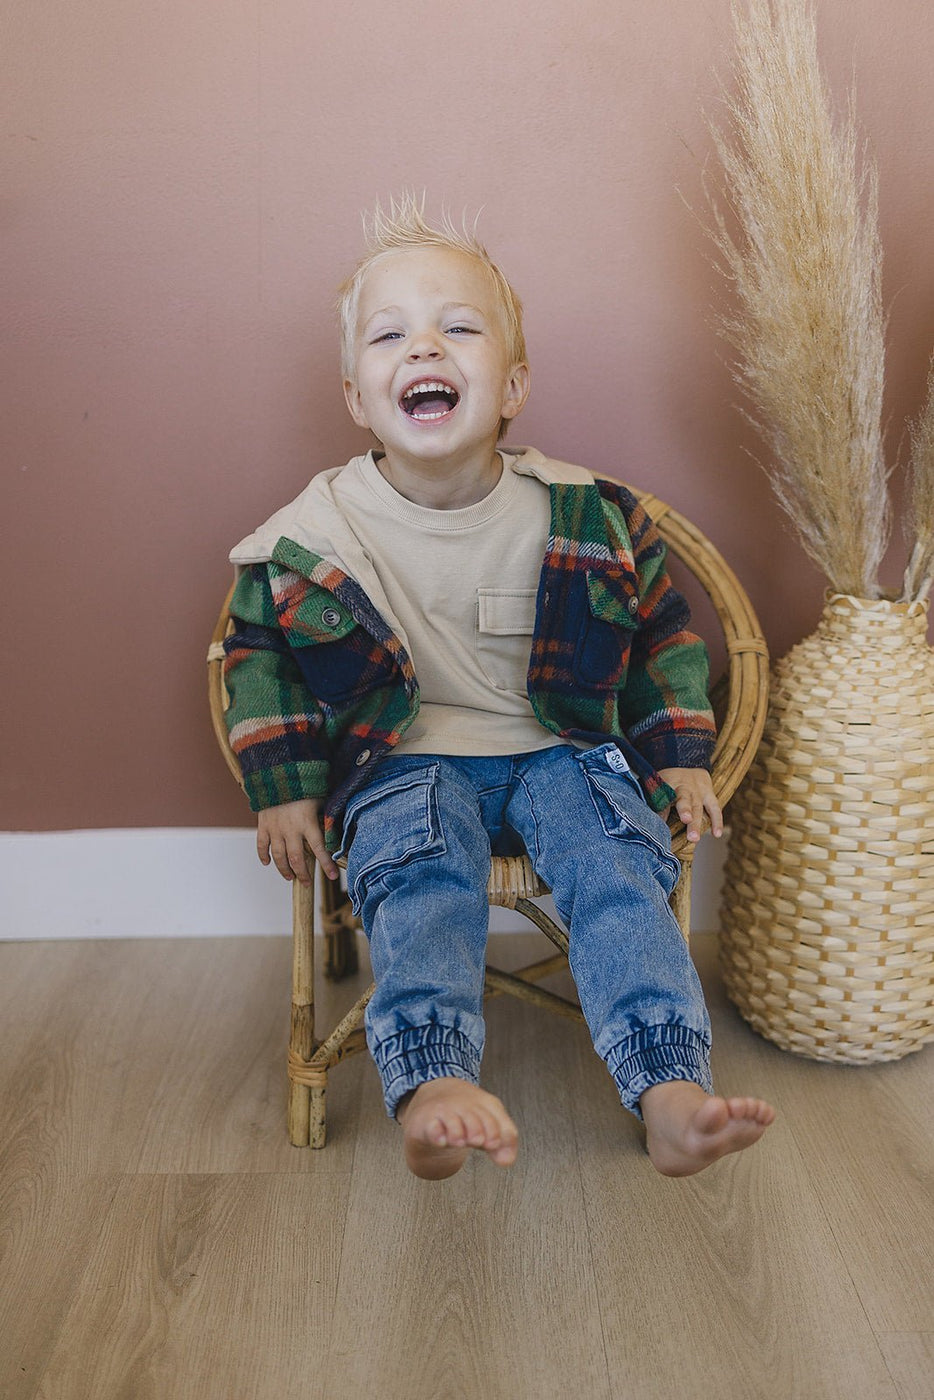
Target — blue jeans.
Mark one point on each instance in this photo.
(419, 839)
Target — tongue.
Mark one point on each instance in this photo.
(427, 406)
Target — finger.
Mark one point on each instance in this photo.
(262, 847)
(686, 813)
(716, 815)
(297, 861)
(280, 858)
(322, 856)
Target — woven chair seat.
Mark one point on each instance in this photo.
(512, 878)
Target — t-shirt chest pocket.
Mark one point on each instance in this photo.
(505, 624)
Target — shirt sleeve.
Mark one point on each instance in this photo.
(275, 725)
(664, 706)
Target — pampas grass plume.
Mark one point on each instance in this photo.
(806, 267)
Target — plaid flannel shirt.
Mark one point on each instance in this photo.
(321, 689)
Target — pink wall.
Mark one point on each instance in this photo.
(181, 195)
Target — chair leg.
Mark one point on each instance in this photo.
(340, 933)
(306, 1106)
(681, 896)
(317, 1128)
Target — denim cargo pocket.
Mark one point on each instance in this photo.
(393, 822)
(624, 812)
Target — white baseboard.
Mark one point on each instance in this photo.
(187, 883)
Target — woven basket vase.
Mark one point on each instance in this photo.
(828, 905)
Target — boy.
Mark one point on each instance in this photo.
(445, 648)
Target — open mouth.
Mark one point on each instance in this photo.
(429, 400)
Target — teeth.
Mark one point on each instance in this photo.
(427, 386)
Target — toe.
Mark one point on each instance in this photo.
(474, 1129)
(509, 1142)
(753, 1110)
(491, 1133)
(436, 1132)
(504, 1155)
(712, 1116)
(457, 1131)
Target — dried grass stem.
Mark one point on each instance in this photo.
(806, 267)
(919, 576)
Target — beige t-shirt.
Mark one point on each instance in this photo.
(462, 584)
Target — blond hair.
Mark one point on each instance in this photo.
(404, 226)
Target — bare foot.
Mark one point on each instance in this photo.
(687, 1129)
(444, 1118)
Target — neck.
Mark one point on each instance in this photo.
(442, 485)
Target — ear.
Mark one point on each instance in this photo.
(517, 391)
(352, 397)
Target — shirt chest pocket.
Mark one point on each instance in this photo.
(610, 618)
(337, 658)
(505, 624)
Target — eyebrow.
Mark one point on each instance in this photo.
(448, 306)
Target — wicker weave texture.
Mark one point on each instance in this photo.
(828, 907)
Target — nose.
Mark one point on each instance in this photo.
(426, 345)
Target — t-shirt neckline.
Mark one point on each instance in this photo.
(460, 517)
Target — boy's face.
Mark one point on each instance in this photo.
(431, 317)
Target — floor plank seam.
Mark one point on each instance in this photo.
(593, 1264)
(325, 1368)
(899, 1391)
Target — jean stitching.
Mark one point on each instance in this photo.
(658, 1055)
(433, 844)
(494, 787)
(664, 860)
(641, 1019)
(536, 855)
(438, 1051)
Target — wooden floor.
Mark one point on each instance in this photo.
(160, 1240)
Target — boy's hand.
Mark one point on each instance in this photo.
(284, 832)
(694, 796)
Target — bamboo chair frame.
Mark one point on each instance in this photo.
(740, 699)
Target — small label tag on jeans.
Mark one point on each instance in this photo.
(616, 761)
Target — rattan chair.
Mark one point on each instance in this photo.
(739, 701)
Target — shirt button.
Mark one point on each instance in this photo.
(362, 757)
(330, 617)
(633, 606)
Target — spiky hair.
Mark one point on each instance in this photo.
(403, 226)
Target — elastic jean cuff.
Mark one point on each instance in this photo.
(420, 1053)
(658, 1055)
